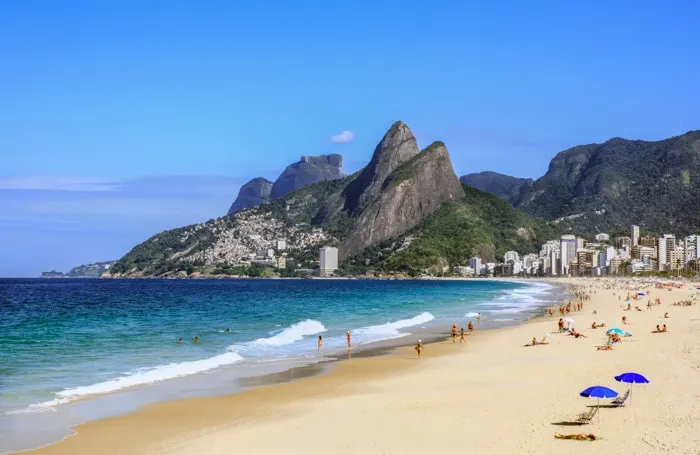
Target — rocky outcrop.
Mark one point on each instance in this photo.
(412, 190)
(504, 186)
(307, 171)
(396, 147)
(255, 192)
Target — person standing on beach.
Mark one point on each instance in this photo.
(320, 343)
(454, 333)
(462, 334)
(419, 348)
(348, 336)
(478, 317)
(470, 326)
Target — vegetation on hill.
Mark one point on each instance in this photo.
(480, 224)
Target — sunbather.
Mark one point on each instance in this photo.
(606, 347)
(577, 437)
(664, 329)
(658, 329)
(576, 334)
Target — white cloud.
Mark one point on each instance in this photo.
(54, 183)
(343, 138)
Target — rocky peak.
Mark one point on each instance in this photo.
(396, 147)
(255, 192)
(414, 189)
(307, 171)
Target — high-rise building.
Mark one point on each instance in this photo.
(281, 245)
(635, 235)
(691, 245)
(475, 263)
(567, 250)
(328, 260)
(622, 242)
(666, 245)
(676, 258)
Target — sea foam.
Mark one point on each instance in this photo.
(156, 374)
(390, 330)
(293, 333)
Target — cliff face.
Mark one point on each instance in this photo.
(389, 202)
(396, 147)
(307, 171)
(255, 192)
(655, 184)
(416, 187)
(504, 186)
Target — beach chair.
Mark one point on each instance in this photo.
(620, 401)
(586, 417)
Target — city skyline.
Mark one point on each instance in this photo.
(125, 119)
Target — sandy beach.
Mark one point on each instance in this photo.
(491, 395)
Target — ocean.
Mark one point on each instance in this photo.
(79, 349)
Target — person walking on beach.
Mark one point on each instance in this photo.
(462, 335)
(478, 317)
(454, 333)
(320, 343)
(419, 348)
(348, 336)
(470, 326)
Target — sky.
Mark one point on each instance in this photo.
(120, 118)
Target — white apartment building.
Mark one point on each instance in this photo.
(281, 245)
(328, 260)
(567, 248)
(635, 235)
(602, 237)
(511, 256)
(691, 245)
(667, 245)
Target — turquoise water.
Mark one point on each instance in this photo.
(67, 340)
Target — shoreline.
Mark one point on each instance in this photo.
(516, 398)
(375, 349)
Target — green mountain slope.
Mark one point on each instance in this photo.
(479, 224)
(406, 200)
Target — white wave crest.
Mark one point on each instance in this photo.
(294, 332)
(156, 374)
(390, 330)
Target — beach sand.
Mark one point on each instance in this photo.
(490, 396)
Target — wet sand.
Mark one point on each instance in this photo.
(490, 395)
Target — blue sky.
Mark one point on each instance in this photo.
(122, 118)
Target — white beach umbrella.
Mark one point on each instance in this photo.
(568, 320)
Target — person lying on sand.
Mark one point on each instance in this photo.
(595, 326)
(606, 347)
(658, 329)
(577, 437)
(534, 341)
(664, 329)
(665, 315)
(576, 334)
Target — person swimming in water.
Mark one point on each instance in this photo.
(179, 341)
(227, 330)
(196, 339)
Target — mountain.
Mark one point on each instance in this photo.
(255, 192)
(307, 171)
(504, 186)
(94, 270)
(405, 211)
(601, 187)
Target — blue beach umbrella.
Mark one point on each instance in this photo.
(617, 331)
(598, 391)
(631, 378)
